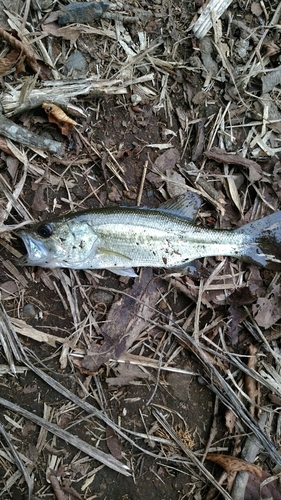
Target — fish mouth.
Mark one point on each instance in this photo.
(36, 253)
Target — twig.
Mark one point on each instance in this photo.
(18, 461)
(142, 183)
(19, 134)
(69, 438)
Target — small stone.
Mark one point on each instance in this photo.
(101, 296)
(135, 99)
(76, 66)
(29, 311)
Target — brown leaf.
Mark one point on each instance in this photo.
(39, 204)
(267, 310)
(4, 146)
(271, 48)
(234, 464)
(256, 9)
(113, 443)
(67, 32)
(8, 62)
(126, 319)
(165, 161)
(23, 48)
(255, 490)
(59, 117)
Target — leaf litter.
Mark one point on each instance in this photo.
(206, 119)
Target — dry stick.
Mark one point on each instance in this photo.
(142, 183)
(25, 15)
(214, 429)
(18, 461)
(249, 452)
(19, 134)
(69, 438)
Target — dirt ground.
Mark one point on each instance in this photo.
(147, 375)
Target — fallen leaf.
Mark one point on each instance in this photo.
(59, 117)
(176, 184)
(22, 48)
(234, 464)
(267, 310)
(125, 321)
(166, 161)
(8, 62)
(256, 491)
(125, 374)
(271, 48)
(113, 443)
(256, 9)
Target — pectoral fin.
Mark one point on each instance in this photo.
(121, 271)
(111, 253)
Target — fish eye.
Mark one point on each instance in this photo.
(45, 230)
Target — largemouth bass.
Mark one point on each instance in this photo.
(122, 238)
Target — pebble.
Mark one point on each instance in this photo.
(101, 296)
(76, 66)
(135, 99)
(29, 311)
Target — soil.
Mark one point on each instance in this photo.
(178, 111)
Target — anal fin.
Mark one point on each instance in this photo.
(123, 271)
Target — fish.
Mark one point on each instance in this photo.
(121, 239)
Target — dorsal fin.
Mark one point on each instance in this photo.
(185, 205)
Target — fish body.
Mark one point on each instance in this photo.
(121, 238)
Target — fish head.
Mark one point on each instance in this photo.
(66, 243)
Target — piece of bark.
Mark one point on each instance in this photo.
(81, 12)
(126, 319)
(221, 156)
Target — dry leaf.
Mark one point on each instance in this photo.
(59, 117)
(126, 319)
(18, 45)
(234, 464)
(256, 9)
(166, 161)
(113, 443)
(258, 488)
(271, 48)
(8, 62)
(234, 195)
(267, 309)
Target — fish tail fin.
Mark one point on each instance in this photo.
(263, 241)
